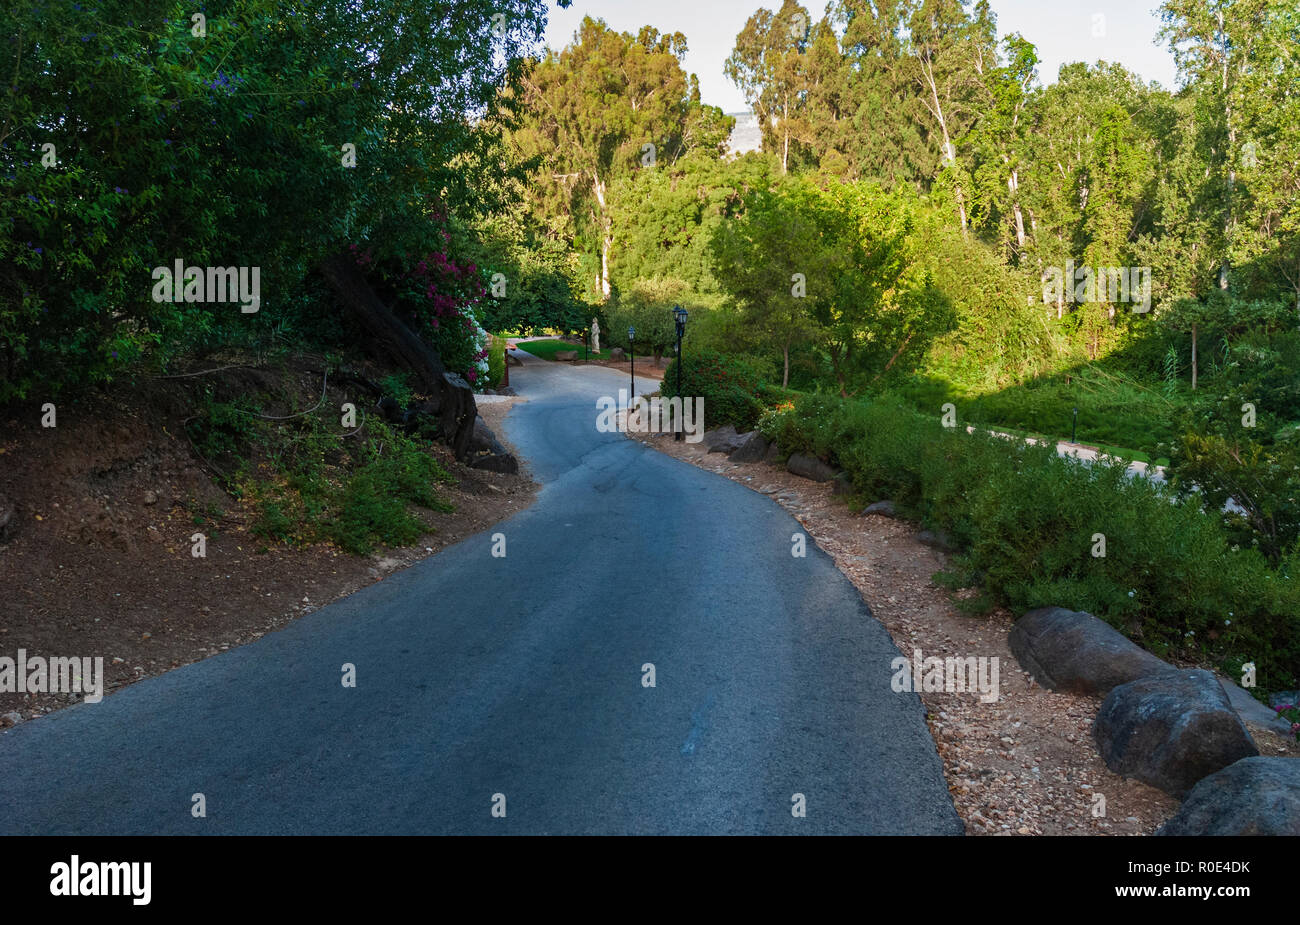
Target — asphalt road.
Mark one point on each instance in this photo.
(523, 676)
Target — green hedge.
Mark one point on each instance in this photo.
(1025, 519)
(729, 386)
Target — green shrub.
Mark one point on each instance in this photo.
(496, 361)
(1027, 521)
(728, 385)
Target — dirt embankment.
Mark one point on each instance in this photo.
(99, 561)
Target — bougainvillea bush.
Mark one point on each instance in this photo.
(440, 298)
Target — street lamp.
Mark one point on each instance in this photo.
(1074, 426)
(631, 355)
(679, 318)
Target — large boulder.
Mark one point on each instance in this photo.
(1170, 730)
(751, 449)
(1253, 796)
(1074, 651)
(562, 356)
(486, 451)
(722, 439)
(1251, 710)
(809, 467)
(936, 539)
(496, 462)
(883, 508)
(617, 355)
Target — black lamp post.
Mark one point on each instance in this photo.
(1074, 426)
(679, 317)
(631, 355)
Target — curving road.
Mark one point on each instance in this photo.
(522, 676)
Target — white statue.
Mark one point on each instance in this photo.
(595, 336)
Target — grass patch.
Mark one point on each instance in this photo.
(546, 349)
(1117, 413)
(306, 482)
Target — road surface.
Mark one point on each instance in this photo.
(520, 680)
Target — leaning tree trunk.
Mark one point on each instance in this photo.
(453, 399)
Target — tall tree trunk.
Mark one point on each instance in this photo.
(949, 152)
(1193, 358)
(452, 398)
(598, 186)
(785, 374)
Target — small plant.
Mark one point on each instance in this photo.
(1291, 713)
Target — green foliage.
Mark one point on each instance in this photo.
(1243, 443)
(1026, 520)
(609, 104)
(304, 482)
(496, 361)
(647, 305)
(225, 150)
(728, 385)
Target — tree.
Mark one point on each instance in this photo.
(607, 105)
(757, 257)
(767, 65)
(952, 54)
(230, 148)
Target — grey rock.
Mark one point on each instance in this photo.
(150, 498)
(507, 390)
(1253, 796)
(884, 508)
(10, 719)
(483, 440)
(1074, 651)
(496, 462)
(1276, 699)
(8, 519)
(936, 539)
(1251, 710)
(617, 353)
(752, 448)
(721, 439)
(1171, 730)
(486, 451)
(809, 467)
(562, 355)
(773, 453)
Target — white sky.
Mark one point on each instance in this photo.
(1062, 30)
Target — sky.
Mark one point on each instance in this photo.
(1062, 30)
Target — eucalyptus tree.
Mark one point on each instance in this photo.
(607, 105)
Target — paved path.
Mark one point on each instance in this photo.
(522, 676)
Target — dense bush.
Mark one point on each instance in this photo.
(1027, 520)
(728, 385)
(304, 482)
(439, 297)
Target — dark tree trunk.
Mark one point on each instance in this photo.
(452, 398)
